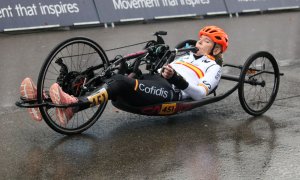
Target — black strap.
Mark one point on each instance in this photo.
(212, 50)
(178, 81)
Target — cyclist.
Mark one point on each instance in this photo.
(191, 76)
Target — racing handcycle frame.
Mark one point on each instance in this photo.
(78, 82)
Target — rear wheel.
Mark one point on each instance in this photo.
(259, 83)
(68, 65)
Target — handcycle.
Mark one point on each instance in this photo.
(80, 65)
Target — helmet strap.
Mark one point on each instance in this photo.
(212, 50)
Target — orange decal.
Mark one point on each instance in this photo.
(251, 72)
(196, 70)
(211, 57)
(136, 85)
(206, 88)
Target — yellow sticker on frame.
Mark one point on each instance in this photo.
(167, 108)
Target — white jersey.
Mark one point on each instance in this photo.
(202, 74)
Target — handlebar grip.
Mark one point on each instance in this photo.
(171, 58)
(160, 33)
(135, 55)
(193, 49)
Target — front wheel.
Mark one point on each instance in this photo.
(69, 64)
(259, 83)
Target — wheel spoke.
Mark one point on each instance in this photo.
(257, 99)
(76, 55)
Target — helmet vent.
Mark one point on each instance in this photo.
(218, 37)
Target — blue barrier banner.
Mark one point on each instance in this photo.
(284, 4)
(126, 10)
(26, 14)
(34, 14)
(234, 6)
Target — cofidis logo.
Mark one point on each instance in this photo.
(153, 90)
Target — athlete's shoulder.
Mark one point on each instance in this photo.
(210, 57)
(206, 60)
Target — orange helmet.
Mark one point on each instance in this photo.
(217, 34)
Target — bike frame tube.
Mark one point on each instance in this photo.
(234, 66)
(48, 104)
(237, 79)
(178, 106)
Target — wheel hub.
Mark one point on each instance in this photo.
(72, 83)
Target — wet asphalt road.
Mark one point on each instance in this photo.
(217, 141)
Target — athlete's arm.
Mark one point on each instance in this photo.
(206, 84)
(173, 77)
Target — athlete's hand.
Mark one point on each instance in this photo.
(167, 71)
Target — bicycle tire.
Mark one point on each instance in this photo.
(65, 51)
(267, 67)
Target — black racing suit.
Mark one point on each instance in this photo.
(151, 89)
